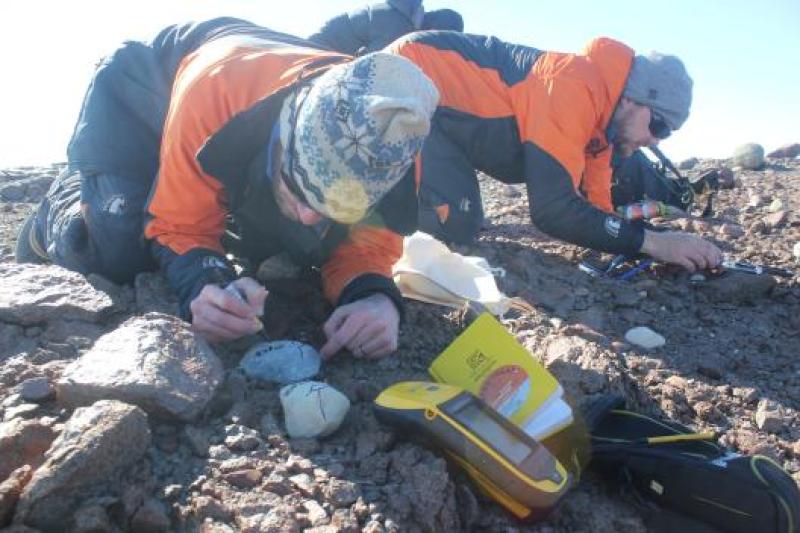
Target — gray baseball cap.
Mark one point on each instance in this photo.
(661, 83)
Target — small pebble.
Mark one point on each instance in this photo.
(36, 389)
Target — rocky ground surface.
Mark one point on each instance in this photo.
(85, 447)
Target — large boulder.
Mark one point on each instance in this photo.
(787, 150)
(36, 294)
(154, 361)
(96, 444)
(749, 156)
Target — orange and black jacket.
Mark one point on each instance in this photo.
(522, 114)
(226, 94)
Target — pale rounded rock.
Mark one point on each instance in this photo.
(281, 362)
(796, 251)
(312, 409)
(749, 156)
(645, 337)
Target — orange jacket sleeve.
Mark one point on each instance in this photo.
(367, 250)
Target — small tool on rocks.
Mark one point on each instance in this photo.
(750, 268)
(239, 294)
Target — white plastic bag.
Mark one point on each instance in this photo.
(430, 272)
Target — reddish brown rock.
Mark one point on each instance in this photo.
(787, 150)
(10, 490)
(23, 442)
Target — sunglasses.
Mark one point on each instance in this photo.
(658, 126)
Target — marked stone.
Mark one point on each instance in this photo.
(281, 362)
(313, 409)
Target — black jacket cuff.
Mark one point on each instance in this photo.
(369, 284)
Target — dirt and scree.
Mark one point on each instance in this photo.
(730, 364)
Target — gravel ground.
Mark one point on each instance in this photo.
(730, 364)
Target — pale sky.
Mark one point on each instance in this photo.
(744, 56)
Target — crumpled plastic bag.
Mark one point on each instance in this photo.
(430, 272)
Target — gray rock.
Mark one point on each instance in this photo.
(12, 192)
(737, 288)
(92, 518)
(731, 230)
(198, 439)
(29, 189)
(96, 443)
(749, 156)
(36, 390)
(341, 493)
(35, 294)
(769, 416)
(688, 164)
(241, 438)
(243, 479)
(151, 517)
(281, 362)
(13, 341)
(154, 361)
(316, 514)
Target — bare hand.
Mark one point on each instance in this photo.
(367, 328)
(218, 315)
(689, 251)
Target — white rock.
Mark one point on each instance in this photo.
(796, 251)
(775, 206)
(755, 200)
(645, 337)
(312, 409)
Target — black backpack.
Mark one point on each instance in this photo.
(638, 178)
(687, 481)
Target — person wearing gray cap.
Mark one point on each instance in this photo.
(550, 120)
(221, 121)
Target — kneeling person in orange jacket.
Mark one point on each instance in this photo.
(309, 151)
(550, 120)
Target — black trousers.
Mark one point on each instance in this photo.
(94, 223)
